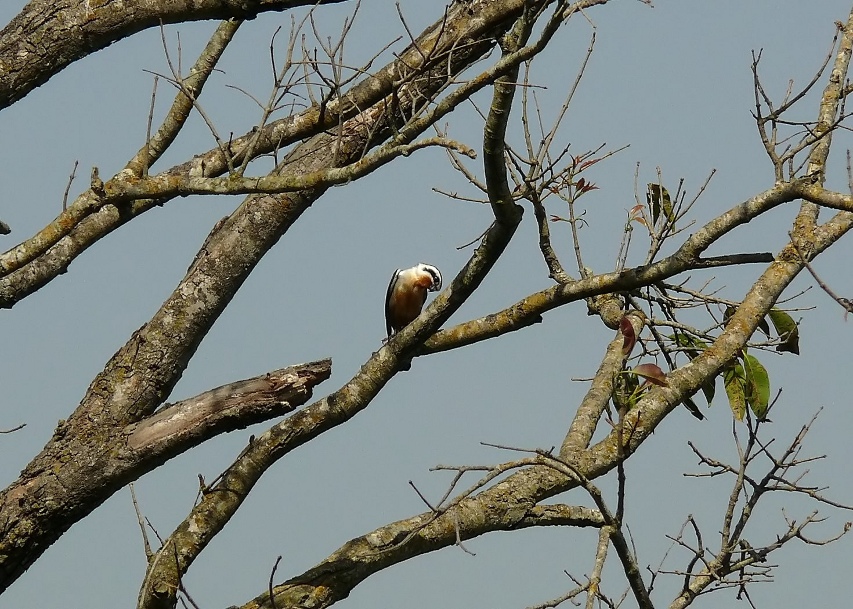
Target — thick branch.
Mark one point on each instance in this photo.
(453, 44)
(47, 36)
(122, 455)
(830, 102)
(223, 500)
(494, 132)
(169, 186)
(89, 202)
(358, 559)
(530, 309)
(178, 427)
(428, 532)
(140, 376)
(597, 396)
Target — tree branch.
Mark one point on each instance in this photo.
(530, 309)
(453, 43)
(217, 508)
(88, 202)
(47, 36)
(334, 578)
(806, 220)
(178, 427)
(28, 515)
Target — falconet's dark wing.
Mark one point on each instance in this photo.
(390, 291)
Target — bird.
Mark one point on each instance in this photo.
(407, 293)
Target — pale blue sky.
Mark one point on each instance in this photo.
(673, 82)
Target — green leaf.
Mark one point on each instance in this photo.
(785, 326)
(667, 208)
(626, 388)
(733, 380)
(757, 386)
(787, 330)
(653, 201)
(659, 201)
(709, 388)
(693, 408)
(727, 314)
(692, 346)
(630, 383)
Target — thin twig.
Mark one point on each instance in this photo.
(68, 186)
(141, 520)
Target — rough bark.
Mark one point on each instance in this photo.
(178, 552)
(463, 34)
(178, 427)
(88, 459)
(117, 433)
(43, 503)
(47, 36)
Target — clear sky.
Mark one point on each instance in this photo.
(672, 81)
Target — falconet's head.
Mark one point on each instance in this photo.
(434, 274)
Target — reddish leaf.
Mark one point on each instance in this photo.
(652, 373)
(628, 334)
(636, 214)
(586, 164)
(580, 184)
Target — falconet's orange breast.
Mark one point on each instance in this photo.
(406, 305)
(424, 281)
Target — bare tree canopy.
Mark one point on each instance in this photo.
(627, 372)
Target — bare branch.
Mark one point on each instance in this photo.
(36, 44)
(141, 520)
(176, 427)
